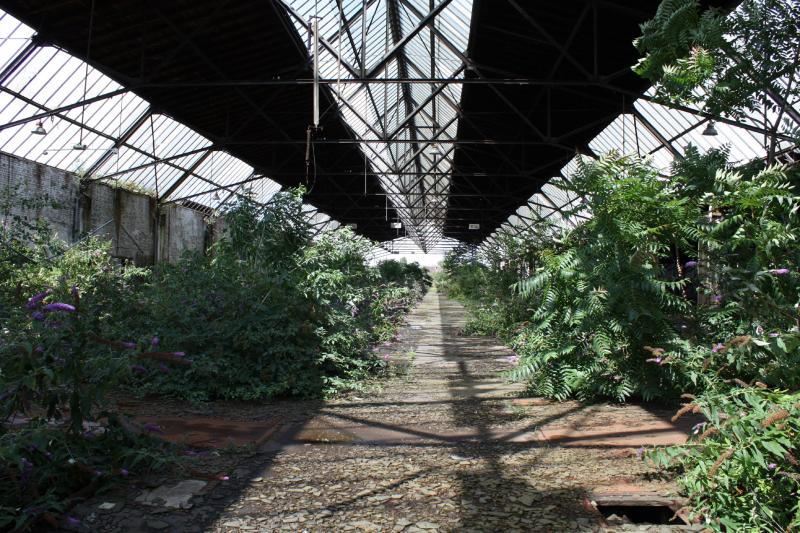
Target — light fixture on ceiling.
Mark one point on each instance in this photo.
(39, 129)
(114, 151)
(435, 150)
(80, 146)
(396, 225)
(710, 130)
(216, 196)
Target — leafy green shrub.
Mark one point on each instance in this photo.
(609, 303)
(742, 466)
(268, 311)
(47, 470)
(57, 436)
(281, 313)
(603, 293)
(741, 472)
(405, 274)
(680, 283)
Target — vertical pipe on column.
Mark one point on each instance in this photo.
(316, 72)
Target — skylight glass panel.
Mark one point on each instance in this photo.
(217, 176)
(157, 153)
(626, 135)
(14, 37)
(363, 34)
(682, 128)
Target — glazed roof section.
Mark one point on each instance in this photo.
(654, 131)
(114, 136)
(399, 123)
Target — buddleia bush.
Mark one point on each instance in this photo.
(268, 311)
(282, 313)
(741, 466)
(59, 435)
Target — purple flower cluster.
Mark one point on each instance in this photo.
(35, 300)
(779, 271)
(39, 310)
(58, 307)
(26, 470)
(195, 453)
(690, 264)
(717, 347)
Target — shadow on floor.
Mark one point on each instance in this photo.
(440, 450)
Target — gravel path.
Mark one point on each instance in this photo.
(444, 446)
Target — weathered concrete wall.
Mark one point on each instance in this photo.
(181, 231)
(127, 219)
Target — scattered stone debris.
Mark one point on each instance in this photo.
(176, 496)
(447, 447)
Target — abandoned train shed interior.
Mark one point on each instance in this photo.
(399, 265)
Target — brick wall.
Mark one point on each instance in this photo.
(38, 192)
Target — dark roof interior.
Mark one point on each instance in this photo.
(579, 51)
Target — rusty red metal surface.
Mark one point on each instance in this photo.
(211, 432)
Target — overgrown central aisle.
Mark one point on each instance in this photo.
(443, 448)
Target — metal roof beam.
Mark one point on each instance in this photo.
(430, 98)
(120, 141)
(150, 163)
(349, 23)
(323, 41)
(637, 115)
(188, 172)
(558, 46)
(399, 44)
(17, 61)
(57, 110)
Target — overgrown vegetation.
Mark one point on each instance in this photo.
(688, 285)
(268, 311)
